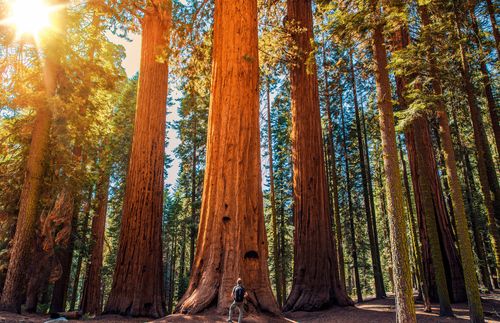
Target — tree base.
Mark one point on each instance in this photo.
(310, 301)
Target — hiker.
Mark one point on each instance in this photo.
(238, 295)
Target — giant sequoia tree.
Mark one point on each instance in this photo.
(232, 239)
(316, 278)
(137, 288)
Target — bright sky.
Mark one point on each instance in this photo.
(131, 65)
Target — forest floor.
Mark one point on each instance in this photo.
(369, 311)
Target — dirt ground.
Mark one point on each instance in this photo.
(370, 311)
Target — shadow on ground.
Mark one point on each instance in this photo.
(369, 311)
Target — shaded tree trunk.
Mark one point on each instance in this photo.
(91, 297)
(377, 271)
(76, 281)
(333, 175)
(194, 218)
(487, 173)
(316, 278)
(488, 91)
(277, 261)
(137, 288)
(421, 278)
(354, 249)
(405, 308)
(428, 206)
(232, 239)
(472, 288)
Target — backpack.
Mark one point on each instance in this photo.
(239, 294)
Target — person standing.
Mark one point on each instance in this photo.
(238, 295)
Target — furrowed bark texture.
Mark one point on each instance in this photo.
(137, 288)
(316, 278)
(405, 308)
(232, 239)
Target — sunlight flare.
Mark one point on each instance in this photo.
(29, 17)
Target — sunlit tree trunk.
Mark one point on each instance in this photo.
(137, 288)
(232, 238)
(405, 308)
(27, 220)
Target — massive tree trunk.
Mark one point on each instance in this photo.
(137, 288)
(232, 238)
(277, 268)
(405, 308)
(91, 297)
(467, 258)
(27, 220)
(377, 271)
(352, 233)
(316, 278)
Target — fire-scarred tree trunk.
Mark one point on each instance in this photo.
(232, 239)
(91, 296)
(137, 288)
(316, 278)
(377, 271)
(405, 308)
(27, 220)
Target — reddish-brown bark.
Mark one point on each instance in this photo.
(316, 278)
(137, 288)
(232, 239)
